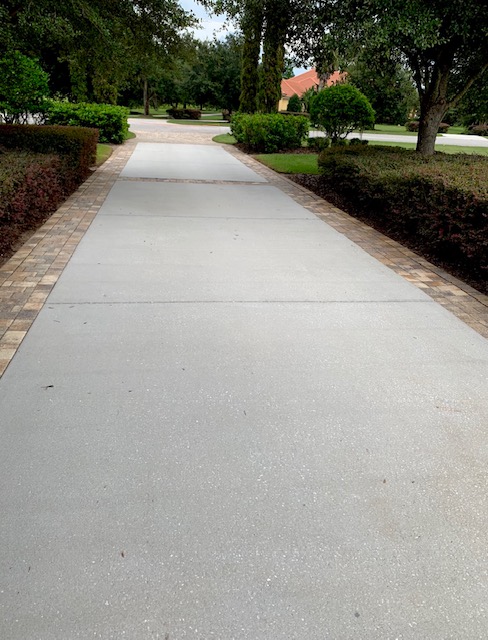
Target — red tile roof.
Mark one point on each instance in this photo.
(299, 84)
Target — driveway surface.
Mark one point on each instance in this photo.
(159, 127)
(230, 422)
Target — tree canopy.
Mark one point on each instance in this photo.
(265, 24)
(443, 42)
(90, 47)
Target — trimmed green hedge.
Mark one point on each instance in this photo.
(268, 133)
(440, 202)
(111, 121)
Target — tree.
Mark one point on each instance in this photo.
(473, 108)
(123, 38)
(443, 42)
(252, 27)
(23, 88)
(263, 23)
(340, 109)
(294, 103)
(277, 16)
(388, 86)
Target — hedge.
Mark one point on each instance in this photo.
(31, 188)
(439, 203)
(111, 121)
(77, 147)
(39, 167)
(413, 125)
(268, 133)
(184, 114)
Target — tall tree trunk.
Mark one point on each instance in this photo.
(430, 118)
(252, 26)
(433, 104)
(146, 97)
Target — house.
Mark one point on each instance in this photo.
(301, 83)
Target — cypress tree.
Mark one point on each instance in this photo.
(252, 27)
(277, 14)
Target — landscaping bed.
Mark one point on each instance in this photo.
(39, 168)
(437, 206)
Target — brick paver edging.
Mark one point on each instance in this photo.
(463, 301)
(28, 277)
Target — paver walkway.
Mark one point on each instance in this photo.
(230, 421)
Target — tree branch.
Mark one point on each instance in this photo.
(456, 99)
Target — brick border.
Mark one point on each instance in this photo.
(28, 277)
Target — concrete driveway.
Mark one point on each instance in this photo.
(156, 127)
(228, 421)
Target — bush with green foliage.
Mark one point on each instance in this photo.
(76, 146)
(318, 144)
(295, 113)
(308, 97)
(294, 103)
(413, 125)
(23, 88)
(357, 141)
(184, 114)
(439, 203)
(478, 130)
(270, 132)
(340, 109)
(111, 121)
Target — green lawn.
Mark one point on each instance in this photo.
(224, 138)
(444, 148)
(290, 162)
(307, 163)
(104, 151)
(393, 129)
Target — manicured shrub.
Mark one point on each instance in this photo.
(31, 187)
(414, 125)
(271, 132)
(439, 203)
(295, 113)
(357, 141)
(184, 114)
(478, 129)
(294, 103)
(76, 146)
(340, 109)
(111, 121)
(23, 88)
(319, 144)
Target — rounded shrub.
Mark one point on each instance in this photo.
(340, 109)
(294, 103)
